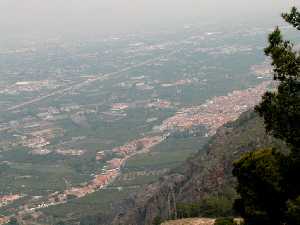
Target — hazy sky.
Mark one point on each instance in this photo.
(24, 17)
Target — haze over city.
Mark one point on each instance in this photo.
(77, 17)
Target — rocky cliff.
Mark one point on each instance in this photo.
(202, 175)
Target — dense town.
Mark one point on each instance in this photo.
(217, 111)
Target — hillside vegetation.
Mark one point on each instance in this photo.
(203, 185)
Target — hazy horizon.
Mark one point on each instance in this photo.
(76, 17)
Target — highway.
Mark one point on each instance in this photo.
(88, 82)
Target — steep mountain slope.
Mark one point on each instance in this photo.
(202, 176)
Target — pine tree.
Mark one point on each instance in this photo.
(268, 181)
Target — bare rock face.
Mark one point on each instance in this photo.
(155, 199)
(204, 174)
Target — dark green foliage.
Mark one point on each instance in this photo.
(293, 17)
(61, 223)
(281, 109)
(216, 206)
(186, 210)
(281, 112)
(89, 220)
(212, 206)
(13, 221)
(157, 221)
(293, 211)
(260, 187)
(225, 221)
(267, 180)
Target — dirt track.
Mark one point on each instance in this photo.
(194, 221)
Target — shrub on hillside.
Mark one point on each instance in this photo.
(225, 221)
(213, 206)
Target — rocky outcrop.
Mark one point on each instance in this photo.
(158, 199)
